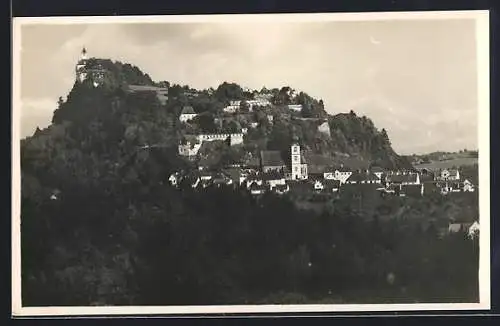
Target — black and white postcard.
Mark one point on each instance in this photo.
(266, 163)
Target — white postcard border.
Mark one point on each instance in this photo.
(482, 38)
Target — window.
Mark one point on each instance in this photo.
(296, 169)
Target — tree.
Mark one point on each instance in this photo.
(229, 91)
(60, 102)
(206, 122)
(385, 137)
(164, 84)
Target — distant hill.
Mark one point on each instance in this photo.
(442, 160)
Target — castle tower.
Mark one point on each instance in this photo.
(80, 69)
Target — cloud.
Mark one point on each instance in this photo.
(34, 113)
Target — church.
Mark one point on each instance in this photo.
(293, 165)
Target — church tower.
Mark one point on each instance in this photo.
(81, 66)
(296, 166)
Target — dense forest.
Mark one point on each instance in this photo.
(101, 225)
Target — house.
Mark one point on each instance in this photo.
(331, 185)
(449, 175)
(467, 186)
(271, 161)
(256, 189)
(236, 175)
(449, 186)
(253, 179)
(341, 174)
(362, 177)
(55, 194)
(189, 148)
(274, 178)
(457, 227)
(295, 107)
(378, 171)
(205, 176)
(220, 179)
(258, 102)
(231, 108)
(187, 114)
(281, 189)
(192, 179)
(204, 183)
(174, 178)
(427, 177)
(474, 230)
(318, 185)
(403, 179)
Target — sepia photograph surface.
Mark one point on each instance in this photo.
(251, 163)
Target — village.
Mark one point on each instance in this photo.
(274, 175)
(297, 172)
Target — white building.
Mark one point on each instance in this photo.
(187, 114)
(189, 149)
(318, 185)
(81, 72)
(340, 175)
(231, 108)
(174, 179)
(379, 172)
(474, 229)
(450, 175)
(295, 107)
(468, 186)
(234, 139)
(96, 73)
(273, 179)
(299, 169)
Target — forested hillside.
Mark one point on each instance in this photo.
(102, 226)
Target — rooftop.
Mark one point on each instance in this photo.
(145, 88)
(187, 110)
(271, 158)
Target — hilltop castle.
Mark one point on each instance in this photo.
(89, 70)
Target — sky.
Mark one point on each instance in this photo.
(415, 78)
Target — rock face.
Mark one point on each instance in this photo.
(324, 128)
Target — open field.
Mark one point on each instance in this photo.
(436, 165)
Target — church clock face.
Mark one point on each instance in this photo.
(295, 158)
